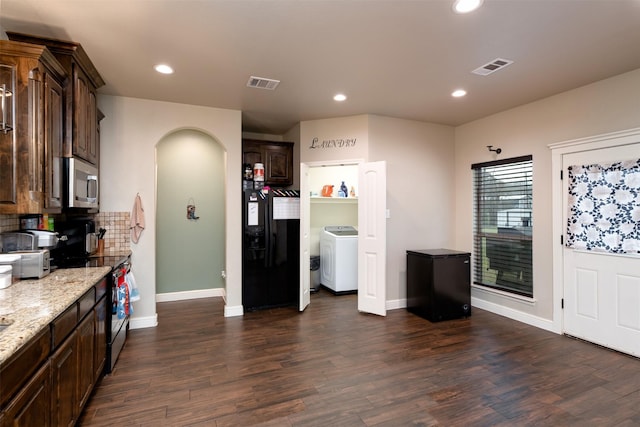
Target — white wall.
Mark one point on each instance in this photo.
(129, 134)
(344, 138)
(420, 191)
(609, 105)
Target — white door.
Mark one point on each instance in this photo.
(601, 291)
(372, 238)
(305, 227)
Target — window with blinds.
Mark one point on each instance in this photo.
(502, 224)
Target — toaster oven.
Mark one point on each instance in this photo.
(34, 264)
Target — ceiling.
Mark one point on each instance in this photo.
(399, 58)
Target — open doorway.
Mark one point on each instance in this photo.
(369, 201)
(334, 206)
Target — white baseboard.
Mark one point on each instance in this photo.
(152, 321)
(396, 304)
(143, 322)
(501, 310)
(529, 319)
(233, 311)
(185, 295)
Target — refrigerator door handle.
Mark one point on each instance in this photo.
(268, 238)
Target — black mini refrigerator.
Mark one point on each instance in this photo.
(439, 284)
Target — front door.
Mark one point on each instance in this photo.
(601, 290)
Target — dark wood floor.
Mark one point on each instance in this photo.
(331, 366)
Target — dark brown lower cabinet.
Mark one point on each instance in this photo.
(56, 393)
(73, 373)
(64, 372)
(100, 317)
(32, 405)
(86, 345)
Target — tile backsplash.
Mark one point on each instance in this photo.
(9, 223)
(116, 239)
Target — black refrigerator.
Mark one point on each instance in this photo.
(270, 248)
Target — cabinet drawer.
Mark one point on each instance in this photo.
(86, 303)
(15, 371)
(101, 289)
(63, 325)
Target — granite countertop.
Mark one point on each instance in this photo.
(30, 305)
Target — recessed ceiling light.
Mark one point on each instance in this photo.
(164, 69)
(466, 6)
(340, 97)
(459, 93)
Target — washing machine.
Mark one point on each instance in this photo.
(339, 258)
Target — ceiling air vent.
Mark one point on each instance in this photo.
(492, 67)
(262, 83)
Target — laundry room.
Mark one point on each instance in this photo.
(333, 227)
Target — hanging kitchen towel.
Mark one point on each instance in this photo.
(134, 294)
(123, 307)
(137, 219)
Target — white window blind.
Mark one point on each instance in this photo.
(503, 223)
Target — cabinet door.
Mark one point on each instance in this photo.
(86, 350)
(100, 319)
(252, 153)
(33, 78)
(64, 380)
(32, 405)
(277, 158)
(9, 144)
(85, 118)
(35, 166)
(93, 147)
(53, 135)
(80, 125)
(21, 151)
(278, 165)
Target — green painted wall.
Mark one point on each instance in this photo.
(189, 253)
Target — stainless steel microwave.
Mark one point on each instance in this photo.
(82, 184)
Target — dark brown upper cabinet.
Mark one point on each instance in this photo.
(277, 158)
(81, 137)
(30, 153)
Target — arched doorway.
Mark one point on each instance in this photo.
(190, 252)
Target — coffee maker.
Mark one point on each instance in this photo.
(81, 241)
